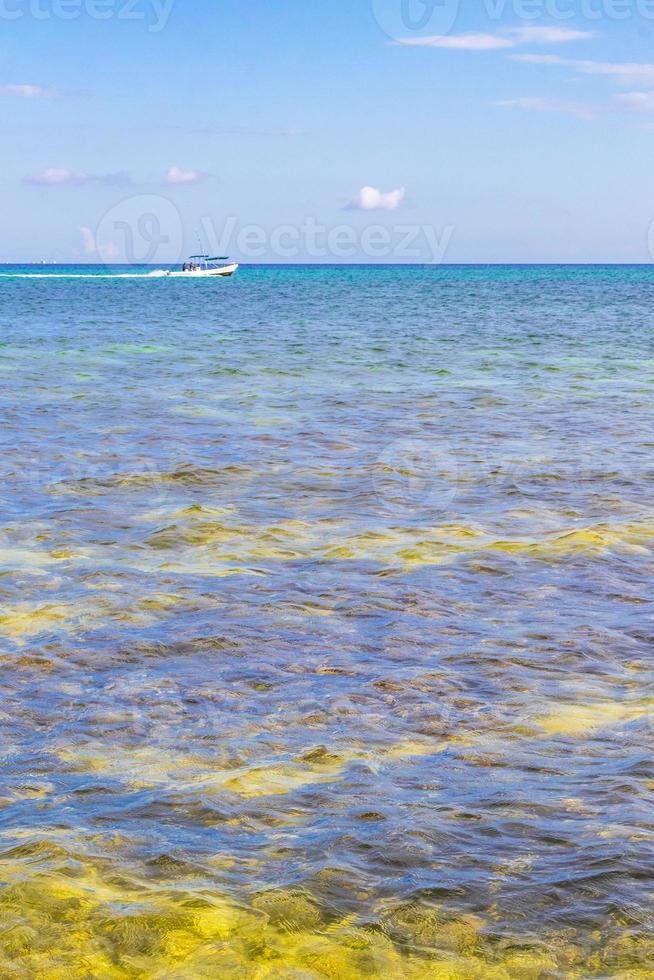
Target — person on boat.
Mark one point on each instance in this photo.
(184, 267)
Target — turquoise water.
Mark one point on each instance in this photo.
(326, 623)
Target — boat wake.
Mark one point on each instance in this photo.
(158, 273)
(198, 267)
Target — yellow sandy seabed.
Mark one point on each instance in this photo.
(195, 534)
(85, 926)
(197, 542)
(142, 768)
(67, 914)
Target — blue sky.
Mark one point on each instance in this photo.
(287, 130)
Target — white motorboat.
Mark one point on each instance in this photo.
(203, 266)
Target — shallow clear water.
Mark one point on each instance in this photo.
(326, 623)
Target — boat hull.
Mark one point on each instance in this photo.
(224, 271)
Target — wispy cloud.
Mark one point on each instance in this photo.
(626, 73)
(372, 199)
(629, 102)
(459, 42)
(636, 101)
(511, 38)
(543, 59)
(61, 177)
(288, 133)
(27, 92)
(176, 176)
(549, 35)
(55, 176)
(580, 110)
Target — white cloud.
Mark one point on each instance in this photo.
(636, 101)
(372, 199)
(511, 38)
(629, 101)
(28, 91)
(627, 73)
(459, 42)
(176, 175)
(289, 133)
(578, 109)
(61, 177)
(58, 176)
(542, 59)
(549, 35)
(88, 238)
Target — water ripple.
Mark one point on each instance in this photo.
(325, 624)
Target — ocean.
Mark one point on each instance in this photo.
(326, 623)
